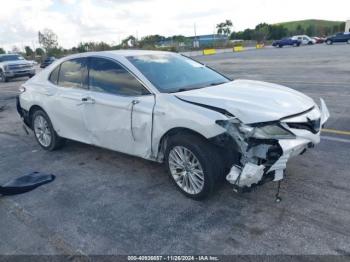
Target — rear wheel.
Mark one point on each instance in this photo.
(193, 165)
(329, 42)
(44, 132)
(280, 46)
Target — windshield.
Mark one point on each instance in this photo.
(174, 73)
(4, 58)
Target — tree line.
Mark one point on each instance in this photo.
(264, 31)
(49, 46)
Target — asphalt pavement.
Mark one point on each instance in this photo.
(104, 202)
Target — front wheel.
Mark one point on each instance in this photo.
(44, 132)
(193, 165)
(3, 78)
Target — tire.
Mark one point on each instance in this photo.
(280, 46)
(203, 153)
(329, 42)
(295, 44)
(3, 78)
(30, 76)
(348, 42)
(44, 133)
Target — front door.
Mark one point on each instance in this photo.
(66, 105)
(119, 112)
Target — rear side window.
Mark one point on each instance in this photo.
(109, 77)
(54, 75)
(73, 73)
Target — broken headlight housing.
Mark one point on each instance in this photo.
(259, 131)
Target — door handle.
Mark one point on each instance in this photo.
(87, 100)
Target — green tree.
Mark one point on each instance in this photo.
(39, 51)
(151, 40)
(29, 51)
(224, 28)
(48, 40)
(311, 30)
(262, 32)
(277, 32)
(2, 51)
(130, 41)
(299, 30)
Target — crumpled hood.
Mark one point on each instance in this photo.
(251, 101)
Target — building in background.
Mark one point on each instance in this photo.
(208, 40)
(347, 26)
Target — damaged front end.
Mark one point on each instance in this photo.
(265, 148)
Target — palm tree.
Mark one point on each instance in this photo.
(224, 28)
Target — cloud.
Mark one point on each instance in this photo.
(112, 20)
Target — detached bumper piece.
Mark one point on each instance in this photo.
(25, 183)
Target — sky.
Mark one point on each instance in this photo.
(113, 20)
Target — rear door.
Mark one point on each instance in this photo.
(119, 116)
(67, 104)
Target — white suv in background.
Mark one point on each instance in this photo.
(168, 108)
(304, 39)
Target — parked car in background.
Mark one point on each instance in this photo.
(14, 65)
(319, 40)
(286, 41)
(304, 39)
(168, 108)
(48, 61)
(338, 38)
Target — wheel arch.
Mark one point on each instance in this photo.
(31, 111)
(159, 154)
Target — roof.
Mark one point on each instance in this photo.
(131, 52)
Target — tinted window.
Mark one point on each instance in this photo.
(174, 73)
(72, 73)
(109, 77)
(54, 75)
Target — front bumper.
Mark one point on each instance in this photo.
(19, 73)
(22, 113)
(267, 160)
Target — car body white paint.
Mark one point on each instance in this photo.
(305, 40)
(136, 125)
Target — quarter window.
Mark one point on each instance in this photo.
(54, 75)
(109, 77)
(72, 73)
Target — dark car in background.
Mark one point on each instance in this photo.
(48, 61)
(286, 41)
(338, 38)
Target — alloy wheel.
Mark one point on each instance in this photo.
(186, 170)
(42, 131)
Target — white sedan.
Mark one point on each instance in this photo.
(169, 108)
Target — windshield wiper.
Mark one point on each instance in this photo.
(184, 89)
(217, 83)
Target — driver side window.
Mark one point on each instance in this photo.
(109, 77)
